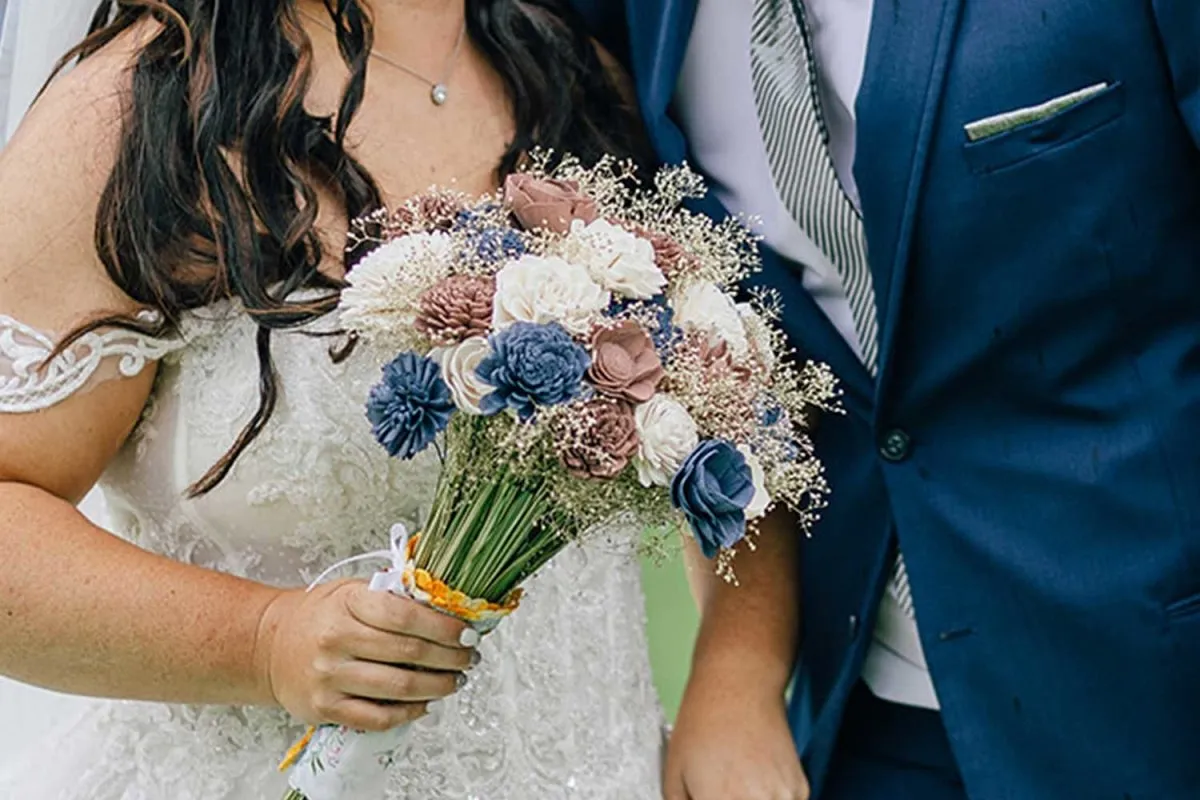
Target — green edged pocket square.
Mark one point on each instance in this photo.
(1009, 120)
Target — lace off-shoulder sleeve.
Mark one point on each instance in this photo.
(28, 383)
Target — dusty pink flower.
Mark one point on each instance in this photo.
(457, 308)
(670, 256)
(625, 363)
(429, 212)
(547, 203)
(599, 439)
(716, 359)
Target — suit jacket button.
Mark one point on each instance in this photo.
(896, 446)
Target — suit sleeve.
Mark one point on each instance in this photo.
(1179, 31)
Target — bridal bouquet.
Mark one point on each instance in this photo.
(573, 349)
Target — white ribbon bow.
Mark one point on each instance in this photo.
(390, 580)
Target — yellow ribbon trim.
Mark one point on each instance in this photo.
(456, 603)
(293, 755)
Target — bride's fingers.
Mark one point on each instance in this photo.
(364, 715)
(371, 644)
(394, 685)
(387, 612)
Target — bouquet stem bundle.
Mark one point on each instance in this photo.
(487, 532)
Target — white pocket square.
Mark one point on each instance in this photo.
(1000, 123)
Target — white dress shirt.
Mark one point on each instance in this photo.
(715, 105)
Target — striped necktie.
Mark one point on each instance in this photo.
(797, 141)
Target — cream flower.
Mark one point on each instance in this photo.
(704, 308)
(762, 498)
(382, 299)
(615, 258)
(758, 334)
(458, 363)
(543, 290)
(667, 435)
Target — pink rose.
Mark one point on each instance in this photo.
(625, 364)
(547, 203)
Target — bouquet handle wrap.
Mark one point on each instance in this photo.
(336, 762)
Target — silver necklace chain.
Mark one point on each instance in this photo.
(439, 90)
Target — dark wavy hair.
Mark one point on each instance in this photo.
(214, 191)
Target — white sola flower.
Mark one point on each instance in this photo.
(667, 435)
(762, 499)
(543, 290)
(615, 258)
(458, 363)
(383, 296)
(703, 307)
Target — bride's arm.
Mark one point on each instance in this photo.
(85, 612)
(80, 610)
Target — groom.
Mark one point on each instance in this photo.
(1002, 601)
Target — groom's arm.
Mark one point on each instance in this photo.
(732, 738)
(1179, 30)
(760, 615)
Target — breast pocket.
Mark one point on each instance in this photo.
(1028, 141)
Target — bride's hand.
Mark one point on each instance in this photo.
(729, 745)
(370, 660)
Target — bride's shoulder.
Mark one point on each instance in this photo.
(53, 173)
(79, 115)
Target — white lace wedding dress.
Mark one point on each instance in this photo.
(562, 705)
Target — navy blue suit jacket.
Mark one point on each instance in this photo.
(1039, 304)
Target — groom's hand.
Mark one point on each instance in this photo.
(732, 744)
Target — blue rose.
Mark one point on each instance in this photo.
(410, 406)
(532, 365)
(712, 489)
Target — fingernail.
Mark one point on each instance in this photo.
(476, 659)
(469, 638)
(460, 681)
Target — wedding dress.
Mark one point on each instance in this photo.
(562, 705)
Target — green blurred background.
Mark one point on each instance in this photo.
(672, 626)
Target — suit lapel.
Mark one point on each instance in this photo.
(659, 32)
(910, 48)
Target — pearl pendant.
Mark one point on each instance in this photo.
(439, 94)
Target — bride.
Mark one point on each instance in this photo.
(172, 216)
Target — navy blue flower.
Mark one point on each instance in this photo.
(771, 415)
(496, 244)
(470, 218)
(658, 315)
(532, 365)
(712, 489)
(410, 406)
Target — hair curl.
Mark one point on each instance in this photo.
(213, 194)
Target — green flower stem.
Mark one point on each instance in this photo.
(487, 531)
